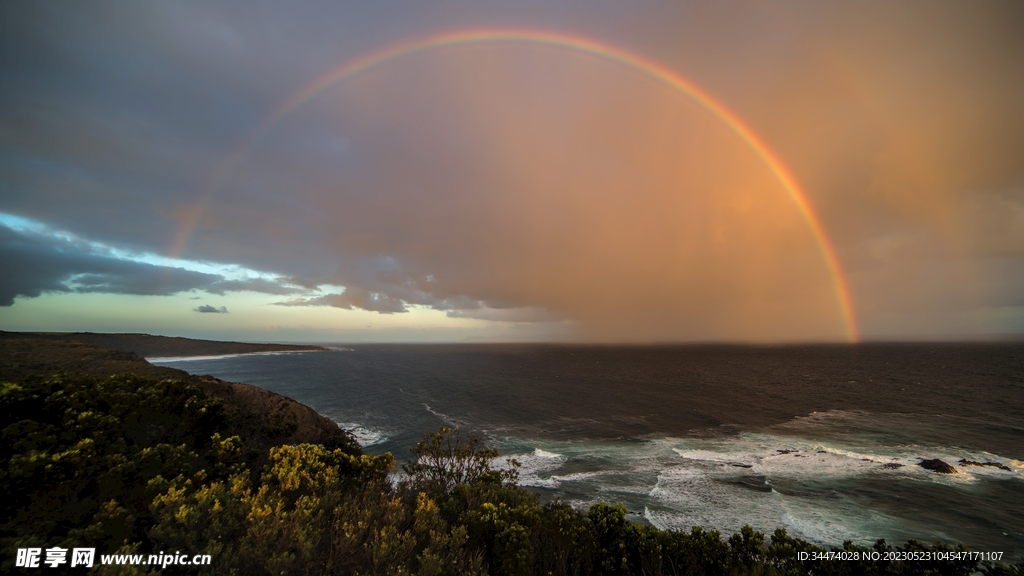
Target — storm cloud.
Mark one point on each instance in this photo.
(353, 298)
(515, 182)
(38, 263)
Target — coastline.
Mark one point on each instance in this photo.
(755, 452)
(264, 420)
(150, 346)
(152, 359)
(268, 418)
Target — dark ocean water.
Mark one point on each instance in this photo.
(821, 440)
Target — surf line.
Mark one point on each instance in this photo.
(557, 40)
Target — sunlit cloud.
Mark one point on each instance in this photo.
(49, 260)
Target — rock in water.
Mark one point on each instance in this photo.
(965, 462)
(937, 465)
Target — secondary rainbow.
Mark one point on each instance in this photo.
(558, 40)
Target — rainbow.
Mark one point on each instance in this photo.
(558, 40)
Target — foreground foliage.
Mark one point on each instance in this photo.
(131, 464)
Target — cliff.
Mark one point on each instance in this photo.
(262, 417)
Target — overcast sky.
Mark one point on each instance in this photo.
(513, 190)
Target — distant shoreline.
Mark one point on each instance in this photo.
(148, 346)
(219, 356)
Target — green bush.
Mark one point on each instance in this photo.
(81, 459)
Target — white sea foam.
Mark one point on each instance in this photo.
(690, 497)
(535, 467)
(795, 458)
(763, 479)
(444, 417)
(687, 497)
(729, 458)
(556, 480)
(792, 478)
(365, 436)
(840, 520)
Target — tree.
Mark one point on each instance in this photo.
(450, 457)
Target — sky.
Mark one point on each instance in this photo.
(505, 171)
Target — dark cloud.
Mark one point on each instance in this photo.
(353, 297)
(528, 183)
(299, 281)
(207, 309)
(459, 307)
(37, 263)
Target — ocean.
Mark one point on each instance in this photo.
(822, 440)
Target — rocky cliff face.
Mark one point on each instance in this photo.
(271, 419)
